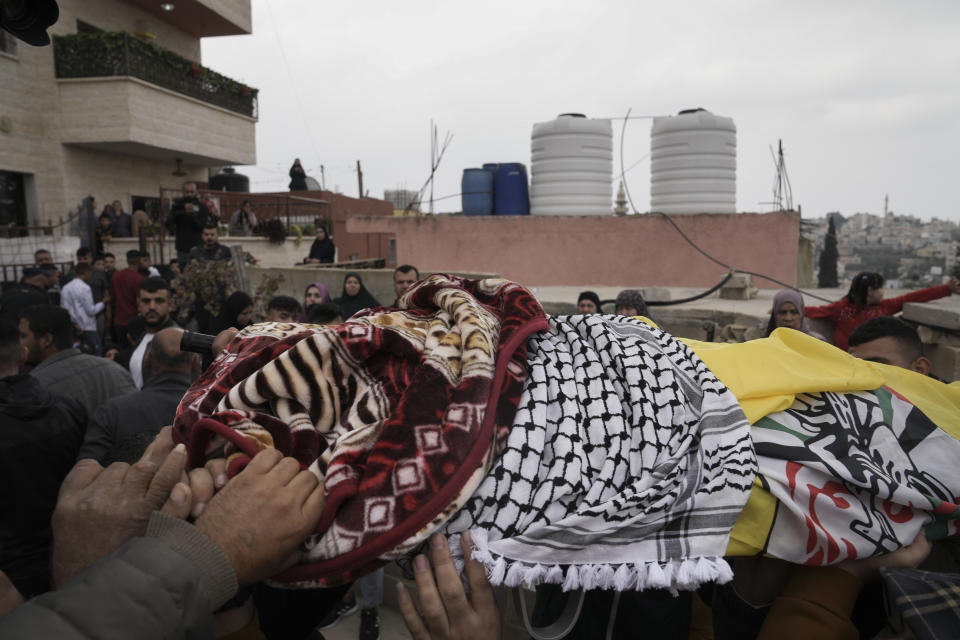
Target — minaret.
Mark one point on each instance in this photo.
(621, 208)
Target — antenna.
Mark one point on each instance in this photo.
(782, 191)
(436, 155)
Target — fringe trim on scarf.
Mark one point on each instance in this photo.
(676, 575)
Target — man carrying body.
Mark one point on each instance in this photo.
(889, 340)
(283, 309)
(188, 217)
(41, 435)
(46, 332)
(404, 277)
(123, 427)
(153, 306)
(77, 299)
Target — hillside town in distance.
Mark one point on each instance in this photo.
(909, 252)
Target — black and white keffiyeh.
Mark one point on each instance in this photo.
(626, 467)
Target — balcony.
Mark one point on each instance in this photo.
(202, 18)
(95, 55)
(121, 94)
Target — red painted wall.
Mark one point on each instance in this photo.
(640, 250)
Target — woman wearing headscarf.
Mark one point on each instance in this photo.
(630, 302)
(298, 177)
(865, 301)
(87, 222)
(588, 302)
(103, 232)
(316, 293)
(322, 251)
(787, 312)
(236, 312)
(243, 222)
(355, 296)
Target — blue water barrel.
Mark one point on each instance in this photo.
(511, 193)
(491, 167)
(476, 192)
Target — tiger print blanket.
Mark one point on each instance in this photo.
(399, 411)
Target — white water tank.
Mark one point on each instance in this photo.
(693, 163)
(571, 167)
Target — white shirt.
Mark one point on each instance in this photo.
(77, 298)
(136, 360)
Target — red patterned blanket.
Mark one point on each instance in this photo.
(399, 411)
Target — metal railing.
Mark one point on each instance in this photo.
(93, 55)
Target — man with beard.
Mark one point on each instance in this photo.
(153, 304)
(46, 332)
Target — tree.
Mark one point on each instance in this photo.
(828, 259)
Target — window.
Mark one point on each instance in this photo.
(151, 204)
(13, 204)
(8, 44)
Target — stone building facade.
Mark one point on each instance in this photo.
(115, 125)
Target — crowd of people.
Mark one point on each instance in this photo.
(91, 369)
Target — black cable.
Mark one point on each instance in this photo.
(667, 303)
(693, 244)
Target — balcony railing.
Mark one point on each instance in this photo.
(94, 55)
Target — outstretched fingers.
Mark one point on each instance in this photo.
(431, 602)
(448, 580)
(411, 617)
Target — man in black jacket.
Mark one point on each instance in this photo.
(41, 434)
(188, 216)
(30, 291)
(122, 428)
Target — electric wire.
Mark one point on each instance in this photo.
(296, 92)
(693, 244)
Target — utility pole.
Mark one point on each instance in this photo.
(360, 178)
(323, 179)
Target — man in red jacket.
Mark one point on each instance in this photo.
(126, 286)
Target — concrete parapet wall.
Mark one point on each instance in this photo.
(379, 282)
(574, 251)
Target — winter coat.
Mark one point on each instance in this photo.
(163, 585)
(41, 434)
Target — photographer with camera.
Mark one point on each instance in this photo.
(188, 216)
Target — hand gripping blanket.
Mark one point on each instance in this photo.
(626, 467)
(400, 412)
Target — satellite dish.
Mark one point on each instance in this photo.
(312, 184)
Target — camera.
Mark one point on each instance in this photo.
(201, 343)
(29, 20)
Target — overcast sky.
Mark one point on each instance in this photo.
(864, 94)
